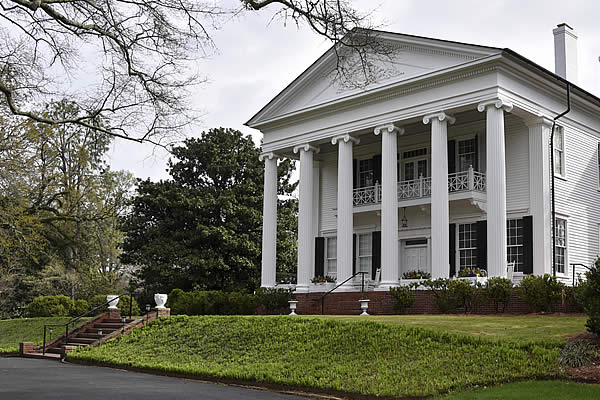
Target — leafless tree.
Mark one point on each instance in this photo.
(129, 64)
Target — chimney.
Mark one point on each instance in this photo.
(565, 52)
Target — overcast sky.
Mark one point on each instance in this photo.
(258, 57)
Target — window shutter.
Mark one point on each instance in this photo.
(319, 256)
(354, 173)
(482, 244)
(377, 168)
(476, 162)
(451, 156)
(528, 244)
(353, 254)
(452, 248)
(376, 253)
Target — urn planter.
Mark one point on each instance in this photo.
(364, 306)
(293, 305)
(160, 299)
(113, 301)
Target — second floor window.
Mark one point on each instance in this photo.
(365, 173)
(467, 154)
(559, 151)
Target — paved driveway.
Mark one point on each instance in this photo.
(30, 379)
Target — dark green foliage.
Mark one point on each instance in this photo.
(539, 292)
(211, 302)
(124, 306)
(462, 292)
(498, 290)
(50, 306)
(404, 297)
(444, 300)
(274, 301)
(80, 307)
(579, 353)
(96, 301)
(202, 228)
(589, 297)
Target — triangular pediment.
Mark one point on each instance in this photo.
(406, 57)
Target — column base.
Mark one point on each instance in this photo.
(385, 286)
(348, 287)
(301, 289)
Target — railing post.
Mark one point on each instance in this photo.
(362, 282)
(471, 182)
(376, 192)
(421, 185)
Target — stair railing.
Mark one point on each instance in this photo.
(77, 318)
(362, 287)
(573, 265)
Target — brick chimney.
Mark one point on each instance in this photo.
(565, 52)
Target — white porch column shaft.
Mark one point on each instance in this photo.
(344, 207)
(495, 185)
(305, 216)
(389, 204)
(440, 216)
(539, 194)
(269, 233)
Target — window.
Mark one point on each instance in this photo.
(561, 245)
(365, 252)
(331, 257)
(415, 164)
(415, 153)
(467, 245)
(559, 151)
(365, 173)
(467, 154)
(514, 241)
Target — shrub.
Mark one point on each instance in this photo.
(403, 296)
(80, 307)
(274, 300)
(589, 296)
(497, 290)
(213, 302)
(462, 292)
(443, 300)
(539, 292)
(471, 272)
(124, 305)
(96, 301)
(50, 306)
(578, 353)
(416, 274)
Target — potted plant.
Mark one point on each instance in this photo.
(473, 274)
(415, 276)
(323, 282)
(364, 305)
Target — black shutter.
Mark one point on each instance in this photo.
(377, 168)
(482, 244)
(452, 247)
(354, 174)
(376, 253)
(319, 256)
(476, 162)
(353, 253)
(451, 156)
(528, 245)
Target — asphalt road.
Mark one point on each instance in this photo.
(31, 379)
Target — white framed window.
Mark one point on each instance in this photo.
(559, 151)
(560, 252)
(365, 173)
(467, 245)
(365, 253)
(467, 154)
(514, 243)
(331, 257)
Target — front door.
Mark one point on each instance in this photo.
(415, 255)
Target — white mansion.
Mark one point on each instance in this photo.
(443, 163)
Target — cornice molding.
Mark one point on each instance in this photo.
(268, 156)
(499, 103)
(389, 128)
(441, 116)
(306, 147)
(345, 138)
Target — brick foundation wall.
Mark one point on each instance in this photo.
(382, 303)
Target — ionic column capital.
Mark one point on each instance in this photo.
(440, 115)
(268, 156)
(306, 147)
(389, 128)
(345, 138)
(539, 120)
(497, 102)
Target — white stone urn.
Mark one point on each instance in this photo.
(160, 299)
(293, 305)
(364, 306)
(113, 301)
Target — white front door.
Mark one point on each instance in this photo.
(415, 255)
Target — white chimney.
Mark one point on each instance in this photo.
(565, 52)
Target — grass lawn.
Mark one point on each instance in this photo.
(520, 329)
(14, 331)
(547, 390)
(368, 357)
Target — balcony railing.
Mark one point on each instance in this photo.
(465, 181)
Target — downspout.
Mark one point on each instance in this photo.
(552, 193)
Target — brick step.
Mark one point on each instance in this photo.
(54, 350)
(108, 325)
(94, 330)
(82, 340)
(90, 335)
(71, 343)
(115, 321)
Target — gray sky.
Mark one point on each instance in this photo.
(258, 57)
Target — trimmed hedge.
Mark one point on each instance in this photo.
(56, 306)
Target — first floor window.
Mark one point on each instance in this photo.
(467, 245)
(365, 252)
(514, 241)
(331, 257)
(560, 230)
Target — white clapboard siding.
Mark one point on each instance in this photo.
(517, 164)
(328, 190)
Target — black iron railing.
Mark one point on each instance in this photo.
(573, 265)
(77, 318)
(362, 287)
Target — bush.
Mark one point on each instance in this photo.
(589, 296)
(80, 307)
(462, 293)
(497, 290)
(403, 296)
(213, 302)
(578, 353)
(96, 301)
(50, 306)
(124, 305)
(539, 292)
(274, 300)
(443, 300)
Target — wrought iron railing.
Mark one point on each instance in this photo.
(362, 287)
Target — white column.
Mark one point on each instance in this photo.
(269, 233)
(345, 215)
(305, 217)
(495, 185)
(389, 204)
(539, 192)
(440, 216)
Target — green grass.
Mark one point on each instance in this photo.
(14, 331)
(547, 390)
(519, 329)
(368, 358)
